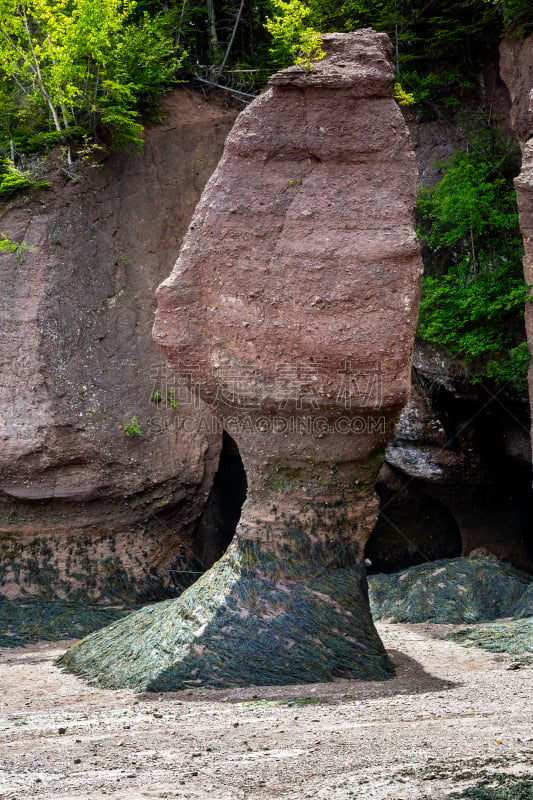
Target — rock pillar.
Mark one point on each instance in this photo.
(291, 311)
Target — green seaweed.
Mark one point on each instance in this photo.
(498, 786)
(26, 621)
(296, 613)
(38, 567)
(514, 637)
(453, 590)
(524, 607)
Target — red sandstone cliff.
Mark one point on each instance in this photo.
(81, 503)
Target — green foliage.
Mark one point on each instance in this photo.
(472, 303)
(13, 180)
(401, 96)
(294, 42)
(132, 428)
(476, 320)
(444, 90)
(7, 245)
(517, 14)
(422, 33)
(171, 398)
(438, 46)
(73, 67)
(69, 67)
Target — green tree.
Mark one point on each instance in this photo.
(438, 45)
(78, 64)
(294, 40)
(473, 298)
(516, 14)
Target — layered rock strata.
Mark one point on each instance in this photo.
(87, 510)
(291, 312)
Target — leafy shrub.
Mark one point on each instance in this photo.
(13, 180)
(473, 299)
(132, 428)
(7, 245)
(294, 41)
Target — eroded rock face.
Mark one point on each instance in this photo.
(291, 312)
(85, 508)
(516, 67)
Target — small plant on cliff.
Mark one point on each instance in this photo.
(473, 299)
(402, 97)
(7, 245)
(132, 428)
(171, 398)
(14, 180)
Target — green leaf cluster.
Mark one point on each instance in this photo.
(473, 299)
(7, 245)
(132, 428)
(294, 40)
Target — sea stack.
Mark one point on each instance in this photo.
(291, 312)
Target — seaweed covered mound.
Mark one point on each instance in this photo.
(254, 618)
(515, 637)
(524, 607)
(448, 591)
(25, 621)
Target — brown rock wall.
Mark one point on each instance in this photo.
(78, 363)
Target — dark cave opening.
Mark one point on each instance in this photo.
(457, 480)
(223, 509)
(412, 527)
